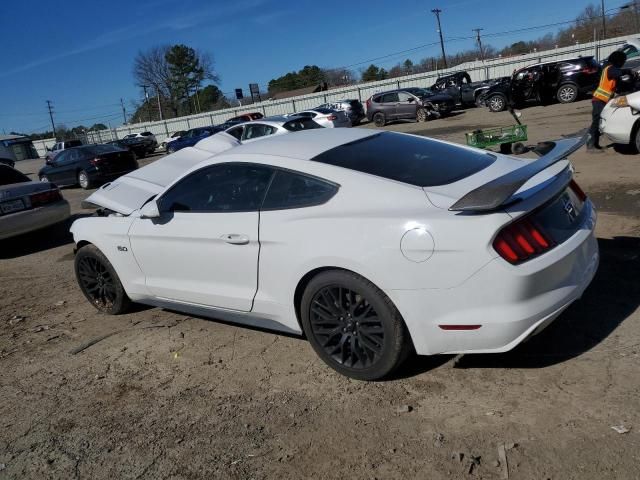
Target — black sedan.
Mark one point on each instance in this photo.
(138, 145)
(88, 165)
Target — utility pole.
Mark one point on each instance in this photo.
(479, 40)
(159, 103)
(53, 125)
(146, 101)
(604, 22)
(437, 12)
(124, 112)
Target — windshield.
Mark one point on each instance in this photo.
(410, 159)
(10, 175)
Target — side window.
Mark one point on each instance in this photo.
(390, 98)
(236, 132)
(219, 188)
(631, 51)
(74, 155)
(62, 158)
(404, 97)
(293, 190)
(257, 131)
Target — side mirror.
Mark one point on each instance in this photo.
(150, 210)
(49, 162)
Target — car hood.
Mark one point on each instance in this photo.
(131, 191)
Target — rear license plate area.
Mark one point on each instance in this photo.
(12, 206)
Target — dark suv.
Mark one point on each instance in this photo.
(564, 81)
(412, 103)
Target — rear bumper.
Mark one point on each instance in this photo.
(509, 302)
(29, 220)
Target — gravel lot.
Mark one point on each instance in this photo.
(172, 396)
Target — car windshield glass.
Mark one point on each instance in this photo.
(324, 111)
(406, 158)
(10, 175)
(102, 149)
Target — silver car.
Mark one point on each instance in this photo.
(27, 205)
(326, 117)
(268, 126)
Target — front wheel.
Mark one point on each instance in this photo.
(99, 282)
(379, 120)
(421, 115)
(567, 94)
(497, 103)
(353, 326)
(83, 180)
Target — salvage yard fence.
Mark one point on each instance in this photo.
(478, 70)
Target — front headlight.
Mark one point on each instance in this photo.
(620, 102)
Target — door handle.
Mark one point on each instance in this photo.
(235, 238)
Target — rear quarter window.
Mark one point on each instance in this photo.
(407, 158)
(294, 190)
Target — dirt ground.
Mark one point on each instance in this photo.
(166, 395)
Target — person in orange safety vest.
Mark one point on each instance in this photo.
(609, 80)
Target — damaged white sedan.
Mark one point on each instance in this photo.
(370, 244)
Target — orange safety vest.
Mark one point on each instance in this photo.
(606, 88)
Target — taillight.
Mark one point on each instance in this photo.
(520, 241)
(43, 198)
(332, 117)
(368, 103)
(577, 190)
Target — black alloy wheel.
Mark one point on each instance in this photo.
(99, 282)
(353, 326)
(379, 120)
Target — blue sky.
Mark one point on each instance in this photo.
(79, 55)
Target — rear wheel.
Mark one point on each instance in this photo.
(353, 326)
(379, 120)
(421, 115)
(83, 180)
(567, 93)
(99, 282)
(497, 103)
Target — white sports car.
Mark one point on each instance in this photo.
(372, 244)
(620, 120)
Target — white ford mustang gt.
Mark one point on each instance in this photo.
(371, 244)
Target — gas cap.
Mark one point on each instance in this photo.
(417, 245)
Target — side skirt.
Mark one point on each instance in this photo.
(230, 316)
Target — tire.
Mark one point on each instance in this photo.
(99, 281)
(567, 93)
(636, 139)
(333, 307)
(421, 115)
(481, 100)
(497, 103)
(83, 180)
(379, 120)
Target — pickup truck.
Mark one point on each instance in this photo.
(60, 146)
(459, 86)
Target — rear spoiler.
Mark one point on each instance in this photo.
(497, 192)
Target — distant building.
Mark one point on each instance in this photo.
(19, 146)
